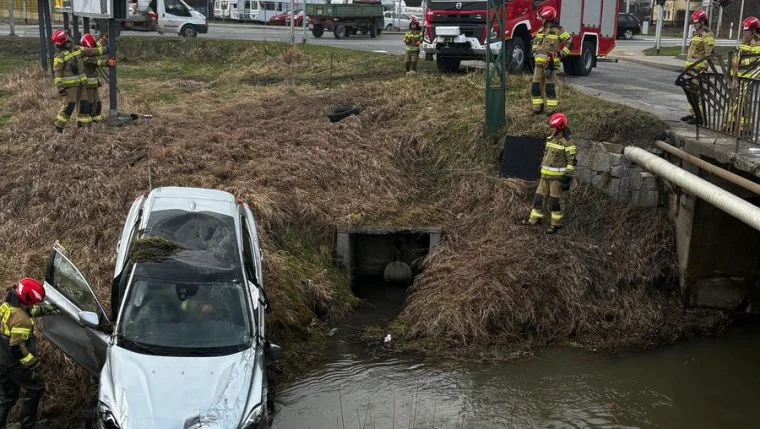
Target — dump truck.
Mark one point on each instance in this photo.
(346, 17)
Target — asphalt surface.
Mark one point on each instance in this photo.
(635, 85)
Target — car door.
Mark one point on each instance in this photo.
(77, 330)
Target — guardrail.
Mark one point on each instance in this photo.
(722, 100)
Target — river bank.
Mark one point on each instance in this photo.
(250, 119)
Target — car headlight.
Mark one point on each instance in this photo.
(107, 419)
(254, 418)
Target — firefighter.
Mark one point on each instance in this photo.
(700, 47)
(413, 40)
(19, 368)
(550, 45)
(70, 80)
(746, 65)
(91, 66)
(557, 170)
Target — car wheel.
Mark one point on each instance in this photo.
(189, 31)
(388, 27)
(628, 34)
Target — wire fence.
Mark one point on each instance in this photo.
(722, 98)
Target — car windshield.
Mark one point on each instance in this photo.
(187, 294)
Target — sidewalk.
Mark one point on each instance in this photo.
(663, 62)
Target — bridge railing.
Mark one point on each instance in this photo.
(721, 99)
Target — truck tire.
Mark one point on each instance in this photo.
(373, 29)
(586, 61)
(188, 30)
(317, 31)
(517, 55)
(448, 65)
(339, 31)
(354, 31)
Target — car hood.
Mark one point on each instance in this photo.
(169, 392)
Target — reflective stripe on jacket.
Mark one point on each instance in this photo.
(413, 40)
(701, 46)
(559, 158)
(550, 43)
(18, 332)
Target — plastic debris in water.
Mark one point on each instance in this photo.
(387, 339)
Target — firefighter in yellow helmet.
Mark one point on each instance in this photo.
(557, 169)
(19, 367)
(746, 65)
(70, 79)
(701, 46)
(550, 45)
(412, 40)
(91, 66)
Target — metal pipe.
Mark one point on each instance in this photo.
(720, 198)
(714, 169)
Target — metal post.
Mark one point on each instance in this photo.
(113, 30)
(686, 18)
(627, 6)
(85, 25)
(48, 31)
(75, 24)
(398, 15)
(658, 36)
(10, 16)
(292, 23)
(41, 25)
(303, 24)
(496, 69)
(739, 28)
(66, 21)
(720, 23)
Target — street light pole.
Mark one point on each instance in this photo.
(686, 18)
(292, 23)
(10, 17)
(658, 36)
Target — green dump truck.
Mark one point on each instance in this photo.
(344, 19)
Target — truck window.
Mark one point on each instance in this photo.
(176, 8)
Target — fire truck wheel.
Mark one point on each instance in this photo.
(517, 56)
(586, 60)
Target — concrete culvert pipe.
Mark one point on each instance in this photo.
(718, 197)
(398, 272)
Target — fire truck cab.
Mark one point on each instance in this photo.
(455, 30)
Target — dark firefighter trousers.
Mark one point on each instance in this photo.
(549, 193)
(75, 95)
(544, 88)
(12, 380)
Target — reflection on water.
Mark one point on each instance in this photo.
(705, 383)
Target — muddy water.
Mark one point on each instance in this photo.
(705, 383)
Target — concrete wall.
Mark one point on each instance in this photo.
(603, 166)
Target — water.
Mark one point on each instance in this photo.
(704, 383)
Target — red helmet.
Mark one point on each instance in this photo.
(60, 37)
(414, 23)
(558, 121)
(30, 291)
(88, 41)
(698, 15)
(548, 13)
(751, 23)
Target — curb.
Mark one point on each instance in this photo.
(669, 67)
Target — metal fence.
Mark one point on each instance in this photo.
(722, 99)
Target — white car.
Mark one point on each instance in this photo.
(188, 348)
(400, 21)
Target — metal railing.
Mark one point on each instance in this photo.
(723, 100)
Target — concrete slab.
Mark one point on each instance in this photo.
(738, 154)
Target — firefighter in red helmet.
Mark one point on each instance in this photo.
(19, 367)
(701, 46)
(91, 65)
(550, 45)
(557, 169)
(70, 79)
(412, 40)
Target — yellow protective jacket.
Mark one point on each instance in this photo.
(413, 40)
(551, 40)
(68, 67)
(17, 328)
(559, 158)
(747, 61)
(91, 65)
(701, 46)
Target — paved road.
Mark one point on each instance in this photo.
(635, 85)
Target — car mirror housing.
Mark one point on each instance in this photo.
(274, 352)
(89, 319)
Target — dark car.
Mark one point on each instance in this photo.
(628, 25)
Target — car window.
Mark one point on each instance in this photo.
(67, 280)
(176, 8)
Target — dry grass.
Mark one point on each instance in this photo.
(250, 120)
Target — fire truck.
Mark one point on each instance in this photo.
(455, 30)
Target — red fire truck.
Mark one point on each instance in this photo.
(455, 30)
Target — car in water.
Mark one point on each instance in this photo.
(186, 344)
(628, 26)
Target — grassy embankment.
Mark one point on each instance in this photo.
(249, 118)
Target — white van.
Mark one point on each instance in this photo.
(165, 16)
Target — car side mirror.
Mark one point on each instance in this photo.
(89, 319)
(274, 352)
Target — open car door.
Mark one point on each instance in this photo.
(76, 330)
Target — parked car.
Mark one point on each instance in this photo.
(188, 347)
(628, 26)
(284, 19)
(397, 20)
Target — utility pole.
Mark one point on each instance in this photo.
(10, 16)
(658, 36)
(496, 69)
(292, 23)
